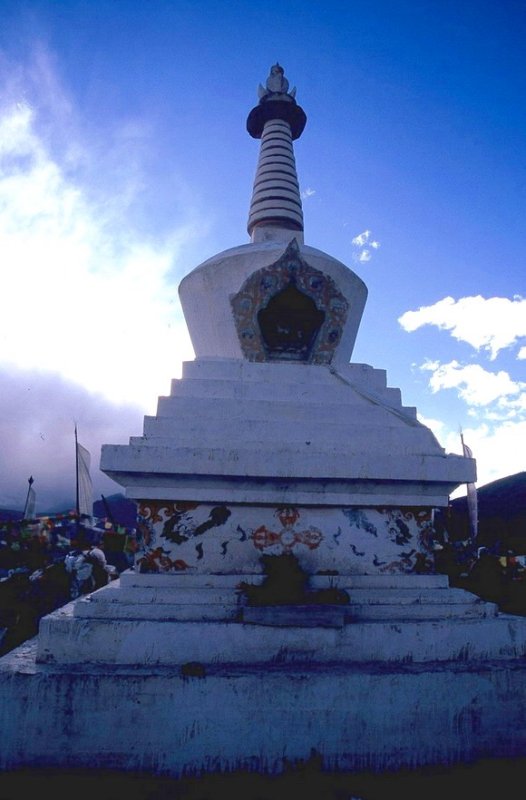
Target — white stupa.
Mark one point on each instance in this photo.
(272, 414)
(274, 448)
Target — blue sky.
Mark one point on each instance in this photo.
(125, 163)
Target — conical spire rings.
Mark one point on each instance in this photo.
(276, 199)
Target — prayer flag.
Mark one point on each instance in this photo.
(85, 487)
(472, 499)
(29, 510)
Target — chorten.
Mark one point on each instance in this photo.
(284, 599)
(272, 420)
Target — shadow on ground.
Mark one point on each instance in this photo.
(478, 781)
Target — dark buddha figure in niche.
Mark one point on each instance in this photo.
(289, 324)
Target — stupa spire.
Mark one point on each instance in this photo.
(275, 208)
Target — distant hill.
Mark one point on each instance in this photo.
(505, 497)
(501, 512)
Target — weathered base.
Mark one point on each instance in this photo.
(194, 720)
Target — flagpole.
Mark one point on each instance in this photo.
(30, 482)
(77, 498)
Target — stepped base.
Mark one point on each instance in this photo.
(174, 619)
(174, 674)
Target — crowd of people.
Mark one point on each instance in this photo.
(496, 573)
(48, 562)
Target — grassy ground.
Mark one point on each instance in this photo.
(480, 781)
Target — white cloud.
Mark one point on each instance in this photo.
(495, 449)
(486, 324)
(476, 386)
(437, 426)
(91, 328)
(84, 295)
(361, 239)
(497, 406)
(363, 244)
(495, 400)
(364, 255)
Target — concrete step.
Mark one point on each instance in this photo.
(304, 616)
(333, 390)
(181, 612)
(167, 430)
(131, 577)
(318, 408)
(448, 611)
(300, 616)
(185, 595)
(296, 616)
(381, 581)
(360, 375)
(214, 595)
(282, 461)
(228, 594)
(67, 639)
(337, 616)
(411, 596)
(377, 581)
(200, 599)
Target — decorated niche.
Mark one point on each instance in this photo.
(289, 311)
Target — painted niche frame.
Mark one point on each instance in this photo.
(265, 284)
